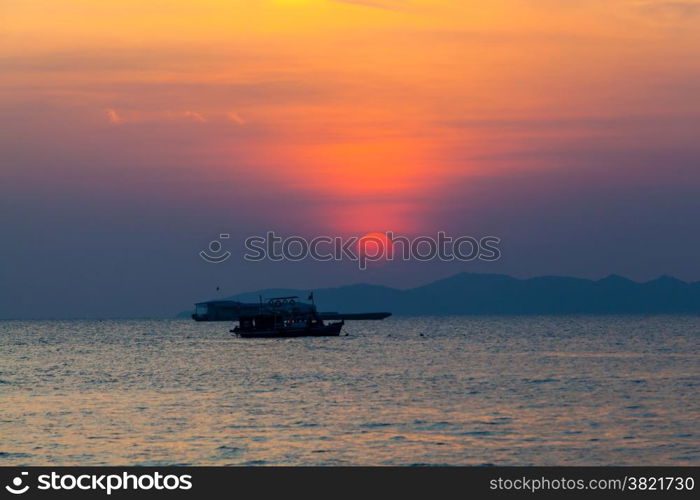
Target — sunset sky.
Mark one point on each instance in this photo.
(133, 132)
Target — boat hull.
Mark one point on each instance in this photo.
(330, 330)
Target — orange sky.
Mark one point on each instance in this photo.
(372, 109)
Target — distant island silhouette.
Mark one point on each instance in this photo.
(497, 294)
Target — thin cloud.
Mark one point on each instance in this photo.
(146, 116)
(195, 116)
(235, 118)
(113, 116)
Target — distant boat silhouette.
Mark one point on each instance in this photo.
(278, 317)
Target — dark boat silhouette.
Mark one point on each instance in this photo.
(278, 317)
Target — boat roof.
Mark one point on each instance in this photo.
(274, 307)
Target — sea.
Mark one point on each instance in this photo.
(530, 390)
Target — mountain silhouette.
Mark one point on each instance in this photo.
(497, 294)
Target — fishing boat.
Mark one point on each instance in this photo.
(279, 317)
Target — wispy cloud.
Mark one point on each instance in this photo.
(235, 117)
(193, 115)
(134, 116)
(113, 116)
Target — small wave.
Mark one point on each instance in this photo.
(306, 424)
(477, 433)
(229, 451)
(496, 421)
(10, 454)
(540, 380)
(257, 462)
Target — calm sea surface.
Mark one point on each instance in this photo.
(506, 391)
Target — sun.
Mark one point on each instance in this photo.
(375, 246)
